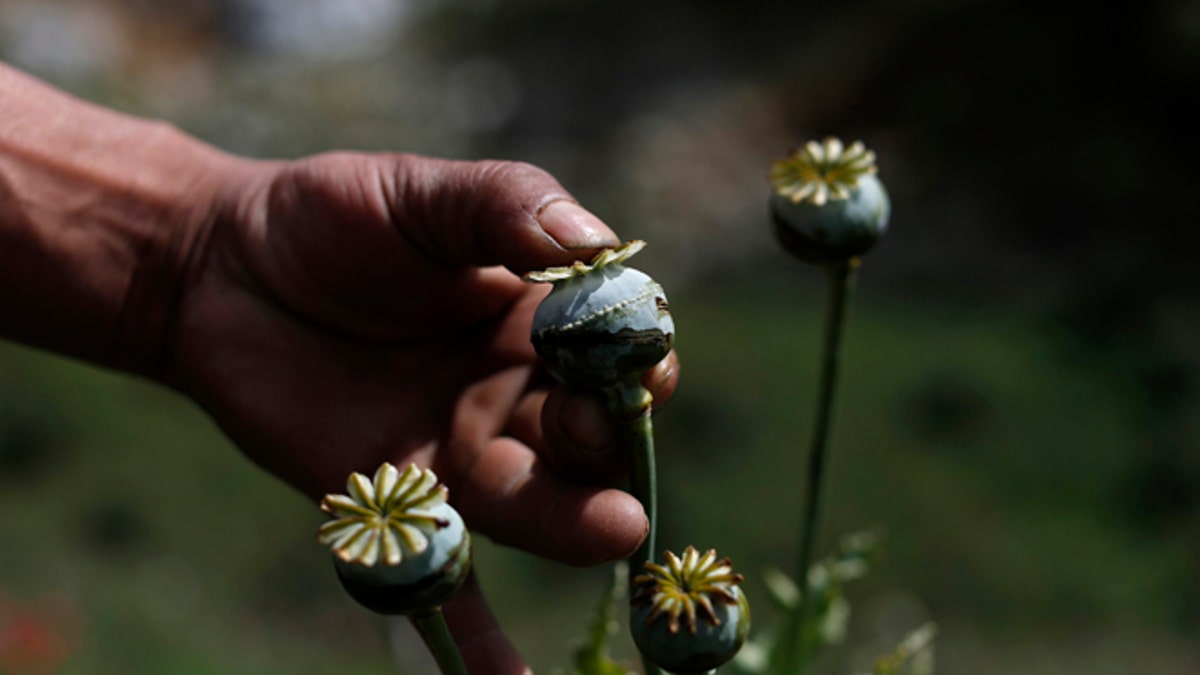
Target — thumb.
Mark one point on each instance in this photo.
(492, 212)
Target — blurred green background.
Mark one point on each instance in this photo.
(1020, 411)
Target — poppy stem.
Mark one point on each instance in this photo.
(432, 627)
(796, 650)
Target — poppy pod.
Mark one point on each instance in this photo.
(603, 323)
(827, 204)
(398, 546)
(689, 615)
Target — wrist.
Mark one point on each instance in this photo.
(99, 213)
(170, 224)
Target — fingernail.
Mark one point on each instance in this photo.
(572, 226)
(587, 423)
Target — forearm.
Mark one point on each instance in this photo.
(99, 212)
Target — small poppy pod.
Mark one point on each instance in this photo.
(827, 205)
(398, 546)
(603, 322)
(690, 614)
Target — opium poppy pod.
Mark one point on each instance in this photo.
(603, 322)
(827, 204)
(689, 615)
(398, 546)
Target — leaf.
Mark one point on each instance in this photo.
(782, 590)
(831, 612)
(829, 609)
(854, 556)
(915, 651)
(592, 657)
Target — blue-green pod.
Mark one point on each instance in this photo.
(603, 322)
(398, 546)
(689, 615)
(827, 205)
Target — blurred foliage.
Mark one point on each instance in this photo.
(1020, 412)
(593, 657)
(851, 560)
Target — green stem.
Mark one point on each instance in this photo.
(643, 483)
(841, 282)
(432, 627)
(632, 405)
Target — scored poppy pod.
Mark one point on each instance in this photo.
(603, 322)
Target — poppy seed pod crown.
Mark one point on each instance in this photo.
(689, 615)
(603, 322)
(827, 204)
(398, 546)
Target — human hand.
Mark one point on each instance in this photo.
(349, 309)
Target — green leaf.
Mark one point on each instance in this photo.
(781, 589)
(830, 610)
(915, 651)
(592, 657)
(854, 556)
(831, 613)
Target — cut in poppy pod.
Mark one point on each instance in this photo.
(398, 546)
(603, 322)
(827, 204)
(689, 615)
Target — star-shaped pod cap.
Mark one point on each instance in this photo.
(397, 545)
(689, 615)
(827, 204)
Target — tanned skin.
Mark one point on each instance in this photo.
(330, 313)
